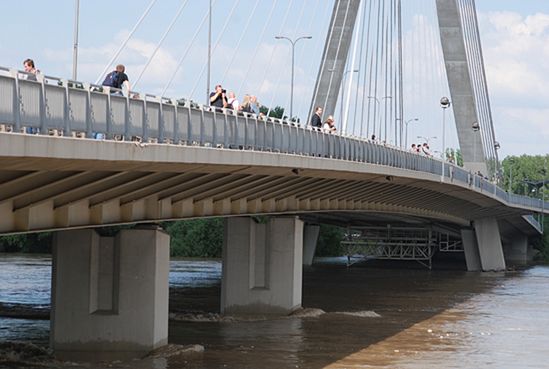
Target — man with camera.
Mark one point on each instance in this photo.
(218, 98)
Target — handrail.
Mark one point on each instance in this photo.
(87, 110)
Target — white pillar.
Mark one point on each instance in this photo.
(262, 266)
(516, 251)
(109, 294)
(489, 244)
(470, 246)
(310, 239)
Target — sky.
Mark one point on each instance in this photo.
(248, 59)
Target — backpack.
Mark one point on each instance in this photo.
(111, 79)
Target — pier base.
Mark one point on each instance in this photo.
(262, 266)
(109, 294)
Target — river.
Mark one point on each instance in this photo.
(362, 317)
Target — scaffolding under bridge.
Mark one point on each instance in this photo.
(398, 243)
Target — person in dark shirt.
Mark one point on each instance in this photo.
(316, 120)
(218, 98)
(117, 78)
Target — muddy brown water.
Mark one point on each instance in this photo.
(374, 318)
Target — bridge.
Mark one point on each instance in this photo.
(167, 159)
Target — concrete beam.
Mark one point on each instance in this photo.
(109, 295)
(262, 266)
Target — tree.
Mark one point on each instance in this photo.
(526, 175)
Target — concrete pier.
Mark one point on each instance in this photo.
(109, 294)
(517, 251)
(262, 266)
(489, 244)
(310, 240)
(470, 246)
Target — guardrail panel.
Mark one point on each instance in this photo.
(99, 116)
(7, 100)
(30, 102)
(118, 115)
(137, 115)
(168, 123)
(153, 120)
(55, 106)
(78, 109)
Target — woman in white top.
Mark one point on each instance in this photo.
(329, 125)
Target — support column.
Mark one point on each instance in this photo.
(109, 294)
(470, 246)
(516, 251)
(310, 240)
(489, 244)
(262, 266)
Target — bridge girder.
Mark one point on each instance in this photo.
(78, 184)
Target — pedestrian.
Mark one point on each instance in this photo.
(117, 79)
(28, 67)
(413, 149)
(254, 105)
(329, 125)
(233, 101)
(218, 98)
(425, 149)
(316, 119)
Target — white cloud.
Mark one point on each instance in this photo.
(515, 49)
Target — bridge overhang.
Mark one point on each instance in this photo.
(59, 183)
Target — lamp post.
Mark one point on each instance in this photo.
(293, 42)
(407, 122)
(444, 104)
(378, 108)
(427, 139)
(75, 44)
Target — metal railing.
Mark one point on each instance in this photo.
(41, 104)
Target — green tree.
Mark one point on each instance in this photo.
(524, 175)
(196, 237)
(329, 241)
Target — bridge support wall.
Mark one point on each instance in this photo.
(517, 251)
(310, 240)
(489, 244)
(109, 294)
(262, 266)
(470, 246)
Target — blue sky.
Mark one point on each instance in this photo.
(514, 35)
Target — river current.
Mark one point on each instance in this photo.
(361, 317)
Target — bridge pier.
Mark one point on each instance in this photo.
(489, 244)
(109, 294)
(262, 266)
(310, 240)
(517, 251)
(470, 247)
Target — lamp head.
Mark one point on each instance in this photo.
(444, 102)
(496, 145)
(475, 126)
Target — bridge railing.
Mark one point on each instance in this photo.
(42, 104)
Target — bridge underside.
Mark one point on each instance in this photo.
(46, 186)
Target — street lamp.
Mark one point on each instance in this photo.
(293, 42)
(406, 122)
(444, 104)
(427, 139)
